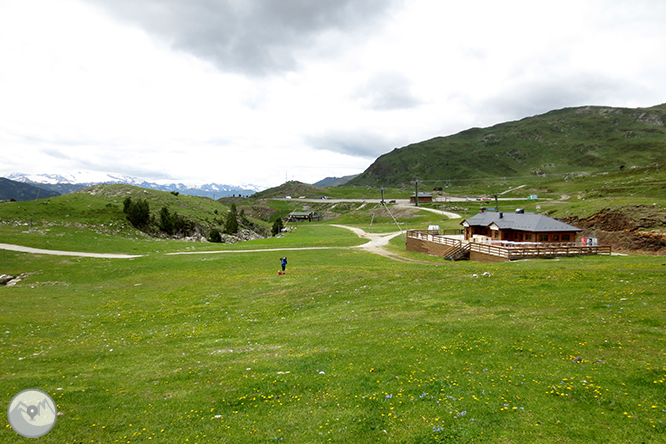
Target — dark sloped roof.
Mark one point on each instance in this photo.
(536, 223)
(300, 213)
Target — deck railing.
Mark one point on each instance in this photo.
(514, 250)
(539, 251)
(433, 236)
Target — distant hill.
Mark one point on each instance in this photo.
(102, 208)
(569, 140)
(292, 188)
(334, 181)
(10, 189)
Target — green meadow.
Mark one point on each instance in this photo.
(347, 347)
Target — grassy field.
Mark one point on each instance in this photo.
(346, 347)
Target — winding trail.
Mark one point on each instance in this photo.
(376, 245)
(22, 249)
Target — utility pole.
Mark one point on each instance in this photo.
(382, 190)
(416, 196)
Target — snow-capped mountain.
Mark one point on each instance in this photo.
(67, 183)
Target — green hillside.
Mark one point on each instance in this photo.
(292, 188)
(564, 141)
(93, 219)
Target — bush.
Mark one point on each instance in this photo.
(244, 221)
(184, 226)
(174, 223)
(138, 213)
(215, 236)
(231, 224)
(166, 223)
(277, 226)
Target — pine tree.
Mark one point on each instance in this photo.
(231, 224)
(138, 213)
(277, 226)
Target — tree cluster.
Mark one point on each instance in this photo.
(138, 214)
(173, 223)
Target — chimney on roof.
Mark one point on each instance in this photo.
(501, 215)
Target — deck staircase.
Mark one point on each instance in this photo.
(457, 252)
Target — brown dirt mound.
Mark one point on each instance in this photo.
(634, 228)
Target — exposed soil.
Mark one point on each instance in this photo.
(634, 228)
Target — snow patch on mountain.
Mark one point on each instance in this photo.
(86, 178)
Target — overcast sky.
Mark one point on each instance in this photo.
(259, 91)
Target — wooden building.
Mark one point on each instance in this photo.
(520, 226)
(423, 197)
(299, 216)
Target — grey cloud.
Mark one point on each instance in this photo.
(354, 143)
(387, 91)
(120, 167)
(57, 154)
(528, 99)
(254, 37)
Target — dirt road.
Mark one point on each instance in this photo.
(376, 245)
(22, 249)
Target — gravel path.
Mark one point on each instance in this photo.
(22, 249)
(377, 243)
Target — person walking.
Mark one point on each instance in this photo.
(283, 262)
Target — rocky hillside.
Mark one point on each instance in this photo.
(633, 228)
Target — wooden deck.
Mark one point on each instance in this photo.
(454, 248)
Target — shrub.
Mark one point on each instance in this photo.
(138, 213)
(277, 226)
(244, 221)
(231, 224)
(215, 236)
(181, 225)
(166, 222)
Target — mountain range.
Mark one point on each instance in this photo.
(63, 184)
(569, 140)
(10, 189)
(334, 181)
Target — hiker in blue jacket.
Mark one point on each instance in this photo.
(283, 261)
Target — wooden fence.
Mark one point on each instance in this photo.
(536, 251)
(507, 251)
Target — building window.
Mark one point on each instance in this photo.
(528, 237)
(556, 237)
(566, 238)
(543, 238)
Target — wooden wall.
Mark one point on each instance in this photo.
(482, 257)
(424, 247)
